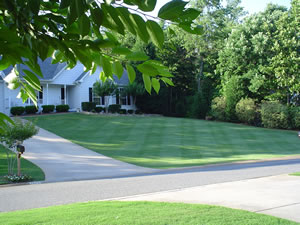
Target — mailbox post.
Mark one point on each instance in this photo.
(20, 151)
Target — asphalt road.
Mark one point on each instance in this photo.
(48, 194)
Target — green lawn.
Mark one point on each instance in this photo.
(138, 213)
(162, 142)
(26, 167)
(295, 174)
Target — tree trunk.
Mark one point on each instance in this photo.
(200, 74)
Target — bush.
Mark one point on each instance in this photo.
(295, 117)
(62, 108)
(48, 108)
(114, 108)
(17, 111)
(88, 106)
(138, 111)
(218, 108)
(130, 111)
(274, 115)
(246, 110)
(122, 111)
(99, 109)
(31, 109)
(233, 93)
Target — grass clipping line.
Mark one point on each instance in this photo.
(114, 212)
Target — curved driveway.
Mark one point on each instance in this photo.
(62, 160)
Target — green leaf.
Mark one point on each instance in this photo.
(167, 81)
(117, 69)
(12, 80)
(102, 76)
(131, 73)
(198, 30)
(34, 6)
(5, 62)
(156, 85)
(112, 38)
(121, 51)
(76, 9)
(64, 4)
(147, 69)
(140, 27)
(172, 10)
(124, 17)
(97, 16)
(156, 33)
(106, 65)
(188, 15)
(147, 83)
(162, 70)
(35, 67)
(111, 19)
(84, 25)
(32, 80)
(31, 93)
(147, 5)
(137, 56)
(4, 120)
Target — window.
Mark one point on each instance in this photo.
(97, 99)
(39, 97)
(121, 99)
(62, 93)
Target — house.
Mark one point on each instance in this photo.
(63, 86)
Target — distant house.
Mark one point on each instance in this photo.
(63, 86)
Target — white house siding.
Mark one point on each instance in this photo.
(2, 107)
(54, 95)
(68, 76)
(73, 93)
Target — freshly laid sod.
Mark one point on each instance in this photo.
(162, 142)
(26, 168)
(138, 213)
(295, 174)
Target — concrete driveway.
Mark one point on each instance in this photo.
(62, 160)
(277, 196)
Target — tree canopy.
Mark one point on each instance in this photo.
(84, 30)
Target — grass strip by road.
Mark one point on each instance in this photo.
(149, 213)
(26, 168)
(164, 142)
(295, 174)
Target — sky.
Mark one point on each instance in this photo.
(252, 6)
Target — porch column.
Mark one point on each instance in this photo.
(65, 89)
(47, 93)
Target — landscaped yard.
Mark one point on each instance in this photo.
(26, 167)
(138, 213)
(163, 142)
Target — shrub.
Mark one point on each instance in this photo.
(122, 111)
(17, 111)
(295, 117)
(274, 115)
(138, 111)
(31, 109)
(233, 93)
(114, 108)
(88, 106)
(246, 110)
(130, 111)
(48, 108)
(62, 108)
(199, 106)
(218, 108)
(99, 109)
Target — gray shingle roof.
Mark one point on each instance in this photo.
(81, 76)
(124, 79)
(7, 70)
(48, 69)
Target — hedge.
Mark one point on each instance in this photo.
(30, 109)
(17, 110)
(99, 109)
(295, 117)
(122, 111)
(62, 108)
(218, 108)
(48, 108)
(130, 111)
(274, 115)
(114, 108)
(88, 106)
(245, 110)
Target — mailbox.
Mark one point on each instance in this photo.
(21, 149)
